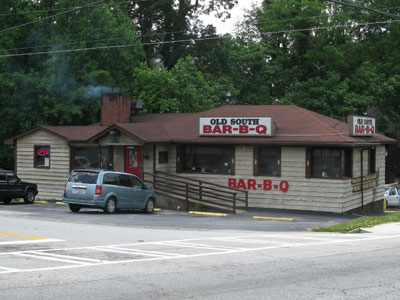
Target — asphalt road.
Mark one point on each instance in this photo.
(46, 252)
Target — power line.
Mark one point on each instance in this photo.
(397, 17)
(147, 35)
(188, 40)
(120, 2)
(67, 8)
(49, 17)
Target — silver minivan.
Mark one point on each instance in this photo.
(108, 190)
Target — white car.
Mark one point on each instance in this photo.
(392, 196)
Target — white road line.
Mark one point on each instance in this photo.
(201, 246)
(54, 259)
(132, 252)
(68, 257)
(9, 269)
(30, 242)
(144, 251)
(234, 250)
(266, 242)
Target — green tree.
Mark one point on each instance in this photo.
(182, 89)
(53, 88)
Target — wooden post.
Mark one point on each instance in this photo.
(200, 191)
(247, 200)
(187, 196)
(154, 165)
(234, 203)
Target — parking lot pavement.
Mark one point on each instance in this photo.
(253, 219)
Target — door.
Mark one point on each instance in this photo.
(133, 160)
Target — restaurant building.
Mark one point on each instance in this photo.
(285, 156)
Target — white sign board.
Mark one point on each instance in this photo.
(238, 126)
(362, 126)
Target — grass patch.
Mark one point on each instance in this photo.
(363, 222)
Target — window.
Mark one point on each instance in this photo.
(267, 161)
(162, 157)
(124, 180)
(110, 178)
(91, 157)
(328, 163)
(41, 156)
(84, 177)
(206, 159)
(135, 182)
(371, 161)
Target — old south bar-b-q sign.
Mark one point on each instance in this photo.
(238, 126)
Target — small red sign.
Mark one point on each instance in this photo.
(44, 151)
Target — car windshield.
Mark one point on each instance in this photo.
(84, 177)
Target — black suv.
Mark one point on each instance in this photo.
(11, 187)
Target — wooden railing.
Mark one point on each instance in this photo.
(192, 190)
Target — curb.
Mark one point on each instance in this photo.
(41, 202)
(36, 201)
(61, 203)
(207, 214)
(273, 218)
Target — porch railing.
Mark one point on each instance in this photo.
(194, 191)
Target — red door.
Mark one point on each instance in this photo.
(133, 160)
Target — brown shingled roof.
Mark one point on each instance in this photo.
(294, 126)
(71, 133)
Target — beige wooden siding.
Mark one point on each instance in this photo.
(50, 181)
(355, 199)
(315, 194)
(119, 155)
(123, 139)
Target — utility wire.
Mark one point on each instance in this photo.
(120, 2)
(66, 8)
(397, 17)
(147, 35)
(49, 17)
(188, 40)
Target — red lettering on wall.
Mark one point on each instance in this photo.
(267, 185)
(251, 184)
(232, 182)
(241, 184)
(284, 186)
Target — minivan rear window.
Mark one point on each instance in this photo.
(84, 177)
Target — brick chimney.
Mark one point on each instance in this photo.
(115, 108)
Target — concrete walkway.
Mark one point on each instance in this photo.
(388, 228)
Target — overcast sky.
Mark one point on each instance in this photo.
(236, 15)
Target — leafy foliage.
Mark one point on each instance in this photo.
(332, 59)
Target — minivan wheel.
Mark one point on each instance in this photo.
(111, 206)
(29, 197)
(74, 208)
(149, 208)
